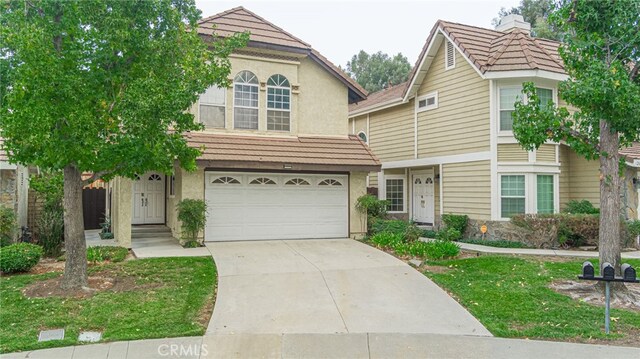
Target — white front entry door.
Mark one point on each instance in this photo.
(262, 206)
(423, 197)
(148, 199)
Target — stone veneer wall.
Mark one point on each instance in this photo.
(8, 189)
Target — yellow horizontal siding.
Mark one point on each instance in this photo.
(373, 179)
(546, 153)
(564, 178)
(584, 179)
(392, 133)
(512, 153)
(360, 125)
(467, 189)
(460, 124)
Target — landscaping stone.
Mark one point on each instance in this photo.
(90, 337)
(415, 262)
(53, 334)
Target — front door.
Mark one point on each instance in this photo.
(423, 197)
(148, 199)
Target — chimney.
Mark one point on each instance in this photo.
(512, 22)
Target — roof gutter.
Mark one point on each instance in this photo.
(495, 75)
(378, 107)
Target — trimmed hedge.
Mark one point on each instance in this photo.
(19, 257)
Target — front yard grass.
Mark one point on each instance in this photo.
(163, 297)
(511, 297)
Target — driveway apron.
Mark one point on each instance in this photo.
(327, 286)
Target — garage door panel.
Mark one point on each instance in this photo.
(244, 211)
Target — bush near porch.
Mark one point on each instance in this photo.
(151, 298)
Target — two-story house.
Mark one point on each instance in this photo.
(445, 136)
(278, 160)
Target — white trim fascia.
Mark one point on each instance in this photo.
(409, 94)
(532, 155)
(556, 193)
(377, 107)
(440, 186)
(506, 138)
(353, 126)
(526, 73)
(5, 165)
(429, 161)
(415, 129)
(529, 168)
(493, 146)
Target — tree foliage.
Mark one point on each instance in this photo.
(535, 12)
(378, 71)
(103, 86)
(602, 59)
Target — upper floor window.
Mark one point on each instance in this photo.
(212, 107)
(245, 103)
(449, 56)
(508, 98)
(428, 102)
(278, 103)
(362, 136)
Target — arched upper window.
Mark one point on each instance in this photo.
(245, 101)
(278, 103)
(363, 136)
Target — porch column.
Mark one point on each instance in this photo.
(121, 211)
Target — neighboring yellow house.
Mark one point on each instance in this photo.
(278, 160)
(444, 137)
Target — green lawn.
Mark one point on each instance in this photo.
(172, 297)
(511, 297)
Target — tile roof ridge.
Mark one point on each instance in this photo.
(535, 41)
(525, 42)
(509, 38)
(467, 25)
(211, 17)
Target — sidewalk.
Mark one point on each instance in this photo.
(536, 252)
(381, 345)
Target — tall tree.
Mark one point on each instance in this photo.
(102, 86)
(535, 12)
(602, 58)
(378, 71)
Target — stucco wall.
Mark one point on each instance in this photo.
(121, 210)
(357, 188)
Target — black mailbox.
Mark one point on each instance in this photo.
(608, 272)
(587, 270)
(628, 272)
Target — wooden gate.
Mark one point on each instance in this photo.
(93, 207)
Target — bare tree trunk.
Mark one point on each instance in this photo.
(75, 268)
(609, 197)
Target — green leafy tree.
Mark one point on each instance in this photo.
(102, 86)
(535, 12)
(602, 58)
(378, 71)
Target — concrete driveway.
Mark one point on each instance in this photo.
(327, 286)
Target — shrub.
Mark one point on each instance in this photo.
(429, 233)
(7, 226)
(441, 250)
(49, 185)
(193, 215)
(580, 207)
(456, 221)
(106, 253)
(191, 244)
(387, 240)
(565, 230)
(634, 228)
(19, 257)
(448, 234)
(371, 206)
(407, 230)
(51, 230)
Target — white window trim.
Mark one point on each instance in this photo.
(365, 136)
(425, 97)
(503, 133)
(233, 99)
(279, 109)
(449, 44)
(530, 192)
(404, 191)
(223, 105)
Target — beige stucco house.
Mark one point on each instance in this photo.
(445, 141)
(278, 159)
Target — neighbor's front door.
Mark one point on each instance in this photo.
(423, 197)
(148, 199)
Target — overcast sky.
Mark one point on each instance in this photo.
(339, 29)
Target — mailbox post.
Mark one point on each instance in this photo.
(608, 276)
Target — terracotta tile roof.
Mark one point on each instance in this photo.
(3, 154)
(388, 95)
(344, 152)
(632, 152)
(263, 32)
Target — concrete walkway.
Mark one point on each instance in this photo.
(538, 252)
(362, 345)
(327, 286)
(150, 247)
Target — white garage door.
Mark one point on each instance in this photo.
(255, 206)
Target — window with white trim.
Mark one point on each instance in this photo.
(245, 101)
(394, 192)
(449, 56)
(512, 195)
(509, 96)
(428, 102)
(278, 104)
(362, 136)
(212, 107)
(545, 202)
